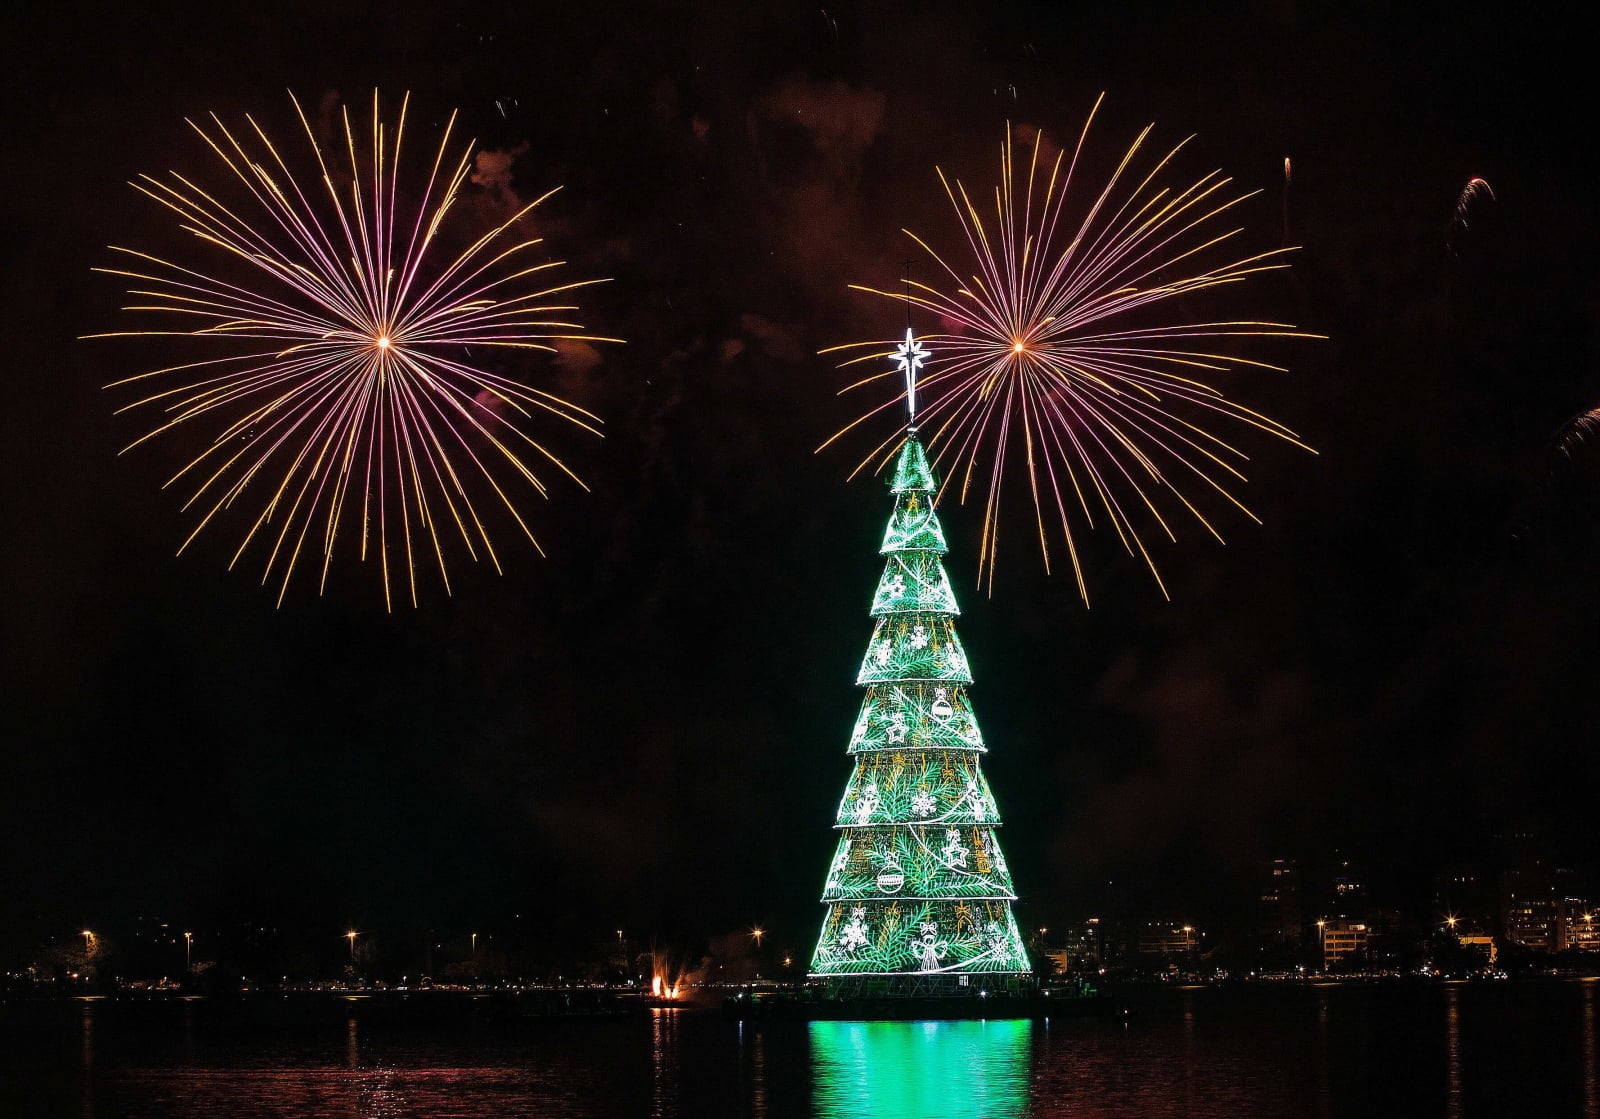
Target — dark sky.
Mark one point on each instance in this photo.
(648, 727)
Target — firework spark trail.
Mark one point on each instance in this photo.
(1469, 193)
(1288, 181)
(1578, 432)
(1476, 188)
(349, 367)
(1051, 353)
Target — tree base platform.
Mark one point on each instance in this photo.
(909, 998)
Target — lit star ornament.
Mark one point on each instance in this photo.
(909, 356)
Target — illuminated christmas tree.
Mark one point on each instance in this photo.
(918, 887)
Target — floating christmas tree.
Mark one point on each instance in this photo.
(918, 887)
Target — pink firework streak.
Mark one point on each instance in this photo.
(346, 388)
(1067, 344)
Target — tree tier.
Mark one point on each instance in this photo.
(917, 787)
(894, 937)
(914, 582)
(911, 470)
(915, 716)
(918, 861)
(907, 647)
(914, 527)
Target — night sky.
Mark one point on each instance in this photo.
(647, 728)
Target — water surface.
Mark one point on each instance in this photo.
(1493, 1049)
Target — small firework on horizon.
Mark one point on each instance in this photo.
(1066, 342)
(343, 385)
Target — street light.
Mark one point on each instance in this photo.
(758, 933)
(1322, 941)
(474, 947)
(351, 937)
(188, 947)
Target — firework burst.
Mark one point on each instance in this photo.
(1066, 342)
(342, 389)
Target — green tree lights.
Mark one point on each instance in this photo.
(918, 886)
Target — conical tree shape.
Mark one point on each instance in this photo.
(918, 886)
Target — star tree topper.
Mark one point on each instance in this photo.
(908, 359)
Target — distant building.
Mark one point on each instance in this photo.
(1111, 941)
(1542, 921)
(1556, 924)
(1176, 942)
(1347, 890)
(1394, 943)
(1553, 924)
(1466, 895)
(1482, 941)
(1278, 905)
(1537, 906)
(1583, 930)
(1341, 938)
(1082, 948)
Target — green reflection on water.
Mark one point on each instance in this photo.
(900, 1070)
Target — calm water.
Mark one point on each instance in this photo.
(1505, 1049)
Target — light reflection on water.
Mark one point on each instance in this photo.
(1218, 1053)
(1452, 1049)
(663, 1062)
(86, 1027)
(900, 1070)
(753, 1067)
(1591, 1075)
(1323, 1068)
